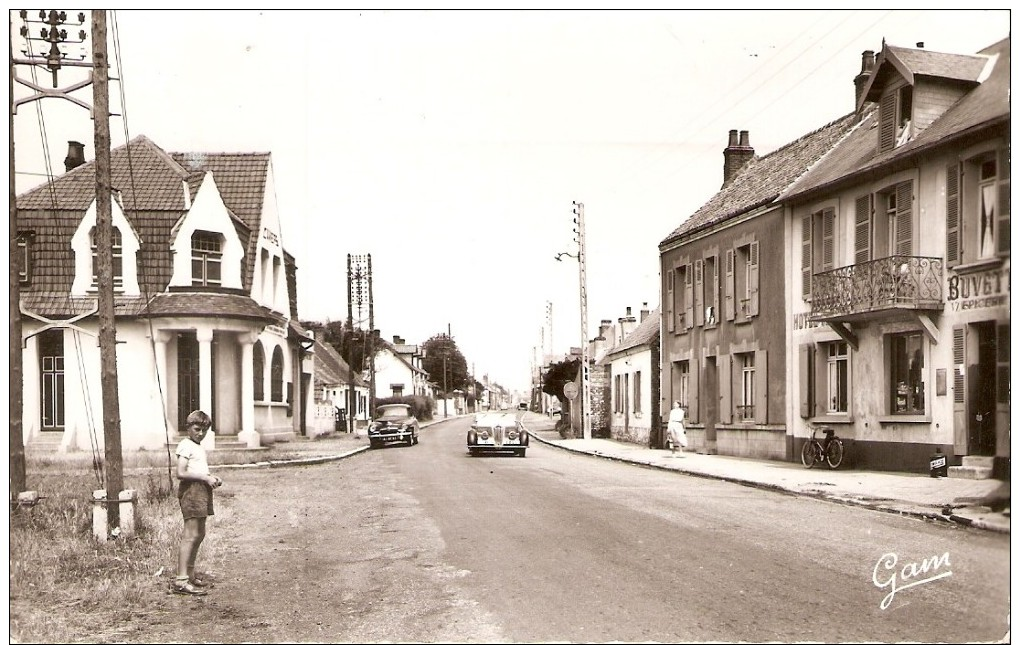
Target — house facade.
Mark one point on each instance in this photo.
(332, 385)
(398, 370)
(723, 336)
(899, 263)
(204, 301)
(632, 374)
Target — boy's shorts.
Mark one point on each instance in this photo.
(196, 499)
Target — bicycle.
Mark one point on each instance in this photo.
(830, 451)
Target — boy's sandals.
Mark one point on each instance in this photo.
(186, 588)
(201, 583)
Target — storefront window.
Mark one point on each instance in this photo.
(907, 373)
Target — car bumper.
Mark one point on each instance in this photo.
(391, 437)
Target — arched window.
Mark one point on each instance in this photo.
(277, 375)
(258, 372)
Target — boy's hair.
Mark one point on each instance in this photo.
(199, 418)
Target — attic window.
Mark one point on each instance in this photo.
(206, 258)
(24, 257)
(895, 110)
(117, 245)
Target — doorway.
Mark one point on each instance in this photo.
(188, 378)
(982, 391)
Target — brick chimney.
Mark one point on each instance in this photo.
(397, 340)
(867, 65)
(627, 324)
(736, 155)
(644, 312)
(75, 155)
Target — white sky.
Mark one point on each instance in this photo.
(450, 144)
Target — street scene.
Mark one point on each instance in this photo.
(510, 326)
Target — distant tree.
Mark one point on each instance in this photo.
(455, 369)
(555, 377)
(352, 346)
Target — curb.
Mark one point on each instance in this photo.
(924, 515)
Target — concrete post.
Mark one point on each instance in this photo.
(99, 515)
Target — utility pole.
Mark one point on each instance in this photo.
(446, 394)
(371, 343)
(583, 279)
(18, 480)
(351, 400)
(104, 273)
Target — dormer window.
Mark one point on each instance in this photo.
(895, 112)
(117, 245)
(24, 257)
(206, 259)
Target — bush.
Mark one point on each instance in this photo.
(421, 406)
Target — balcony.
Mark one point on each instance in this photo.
(886, 285)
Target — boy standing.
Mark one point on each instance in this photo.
(195, 494)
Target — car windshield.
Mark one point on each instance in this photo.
(390, 413)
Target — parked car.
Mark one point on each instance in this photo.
(522, 406)
(495, 433)
(393, 423)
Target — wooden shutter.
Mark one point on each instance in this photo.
(725, 389)
(904, 218)
(1002, 217)
(752, 279)
(862, 229)
(806, 358)
(1002, 402)
(959, 390)
(887, 122)
(699, 292)
(688, 296)
(761, 386)
(954, 251)
(669, 300)
(828, 238)
(694, 367)
(728, 287)
(805, 256)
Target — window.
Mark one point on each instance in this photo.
(118, 259)
(711, 292)
(837, 369)
(894, 117)
(24, 257)
(977, 208)
(397, 389)
(51, 374)
(637, 391)
(745, 277)
(906, 372)
(892, 223)
(683, 298)
(206, 258)
(258, 371)
(745, 409)
(617, 395)
(276, 382)
(684, 385)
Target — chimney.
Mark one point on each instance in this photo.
(736, 155)
(644, 311)
(397, 340)
(867, 65)
(920, 45)
(627, 324)
(75, 155)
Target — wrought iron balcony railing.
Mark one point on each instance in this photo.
(895, 282)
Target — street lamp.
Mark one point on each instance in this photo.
(583, 288)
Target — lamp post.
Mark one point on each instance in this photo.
(583, 289)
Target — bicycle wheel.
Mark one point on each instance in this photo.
(809, 453)
(834, 453)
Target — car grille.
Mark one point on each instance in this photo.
(498, 435)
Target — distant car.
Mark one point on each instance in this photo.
(495, 433)
(393, 423)
(522, 406)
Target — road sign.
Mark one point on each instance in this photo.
(570, 390)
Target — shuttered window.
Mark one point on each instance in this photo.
(1002, 219)
(953, 232)
(670, 320)
(904, 219)
(862, 229)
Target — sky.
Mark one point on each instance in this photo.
(451, 145)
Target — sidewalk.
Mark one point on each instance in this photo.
(940, 499)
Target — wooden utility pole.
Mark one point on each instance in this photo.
(371, 344)
(16, 434)
(114, 466)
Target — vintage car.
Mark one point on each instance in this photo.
(497, 432)
(393, 423)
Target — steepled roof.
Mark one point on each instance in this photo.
(763, 179)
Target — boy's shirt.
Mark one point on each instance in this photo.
(195, 454)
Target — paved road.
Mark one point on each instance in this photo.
(427, 544)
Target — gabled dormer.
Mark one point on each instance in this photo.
(206, 249)
(914, 87)
(125, 244)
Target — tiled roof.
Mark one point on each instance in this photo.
(987, 104)
(209, 304)
(331, 369)
(764, 178)
(151, 193)
(382, 344)
(922, 62)
(646, 333)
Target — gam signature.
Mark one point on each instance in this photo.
(910, 571)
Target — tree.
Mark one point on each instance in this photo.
(352, 346)
(556, 376)
(449, 374)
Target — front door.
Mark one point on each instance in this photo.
(187, 378)
(982, 408)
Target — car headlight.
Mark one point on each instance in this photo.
(512, 433)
